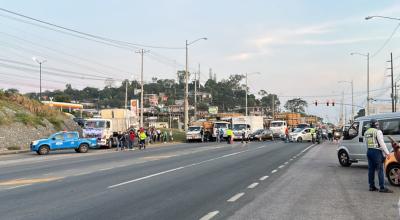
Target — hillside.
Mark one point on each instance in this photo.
(23, 120)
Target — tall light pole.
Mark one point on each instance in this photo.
(246, 74)
(378, 16)
(368, 98)
(141, 52)
(352, 97)
(186, 98)
(40, 62)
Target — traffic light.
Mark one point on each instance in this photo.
(333, 103)
(327, 103)
(316, 103)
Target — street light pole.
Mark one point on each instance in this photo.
(186, 95)
(141, 52)
(40, 62)
(246, 94)
(246, 74)
(368, 98)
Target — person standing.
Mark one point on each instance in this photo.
(286, 134)
(131, 139)
(376, 151)
(312, 131)
(229, 134)
(171, 138)
(142, 139)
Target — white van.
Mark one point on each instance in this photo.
(352, 148)
(278, 128)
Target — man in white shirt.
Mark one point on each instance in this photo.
(376, 153)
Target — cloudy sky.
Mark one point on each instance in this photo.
(301, 47)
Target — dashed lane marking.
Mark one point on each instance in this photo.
(210, 215)
(235, 197)
(274, 171)
(286, 162)
(264, 178)
(281, 166)
(28, 181)
(252, 186)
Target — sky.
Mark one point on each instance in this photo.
(300, 47)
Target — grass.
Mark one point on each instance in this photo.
(179, 136)
(13, 148)
(29, 119)
(57, 123)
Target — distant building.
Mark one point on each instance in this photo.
(380, 108)
(151, 99)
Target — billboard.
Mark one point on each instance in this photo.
(213, 110)
(134, 107)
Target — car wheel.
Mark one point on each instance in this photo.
(344, 159)
(393, 174)
(299, 139)
(260, 139)
(43, 150)
(83, 148)
(110, 144)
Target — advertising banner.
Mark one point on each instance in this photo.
(134, 107)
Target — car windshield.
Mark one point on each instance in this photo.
(296, 130)
(194, 129)
(220, 125)
(239, 126)
(259, 131)
(95, 124)
(276, 124)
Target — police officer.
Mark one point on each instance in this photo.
(229, 135)
(312, 131)
(142, 139)
(376, 151)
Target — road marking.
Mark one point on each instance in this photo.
(28, 181)
(104, 169)
(264, 178)
(253, 185)
(18, 186)
(274, 171)
(145, 177)
(175, 169)
(294, 157)
(286, 162)
(291, 159)
(210, 215)
(281, 166)
(235, 197)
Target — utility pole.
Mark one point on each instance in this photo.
(186, 100)
(352, 100)
(246, 94)
(391, 75)
(141, 52)
(273, 107)
(395, 97)
(126, 102)
(40, 62)
(195, 96)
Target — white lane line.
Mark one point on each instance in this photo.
(281, 166)
(253, 185)
(291, 159)
(235, 197)
(145, 177)
(104, 169)
(210, 215)
(18, 186)
(286, 162)
(294, 157)
(264, 178)
(179, 168)
(274, 171)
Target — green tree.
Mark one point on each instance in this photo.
(296, 105)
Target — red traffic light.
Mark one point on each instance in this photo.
(327, 103)
(316, 103)
(333, 103)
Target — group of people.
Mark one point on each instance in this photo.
(131, 138)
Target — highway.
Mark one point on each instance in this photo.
(183, 181)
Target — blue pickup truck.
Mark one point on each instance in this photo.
(63, 140)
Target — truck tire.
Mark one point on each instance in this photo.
(43, 150)
(109, 144)
(83, 148)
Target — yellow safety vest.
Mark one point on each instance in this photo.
(370, 138)
(229, 132)
(142, 136)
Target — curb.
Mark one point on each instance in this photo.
(14, 152)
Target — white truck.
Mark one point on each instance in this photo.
(278, 128)
(109, 122)
(247, 124)
(195, 133)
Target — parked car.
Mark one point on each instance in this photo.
(300, 135)
(352, 148)
(63, 140)
(266, 135)
(392, 170)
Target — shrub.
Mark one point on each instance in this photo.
(28, 119)
(56, 122)
(13, 148)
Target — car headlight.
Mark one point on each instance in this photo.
(35, 142)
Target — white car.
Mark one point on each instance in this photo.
(300, 135)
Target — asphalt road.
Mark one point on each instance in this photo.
(185, 181)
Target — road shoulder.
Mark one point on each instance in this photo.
(317, 187)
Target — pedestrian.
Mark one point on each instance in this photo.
(217, 135)
(165, 136)
(121, 141)
(221, 134)
(286, 134)
(115, 141)
(142, 139)
(158, 135)
(376, 153)
(201, 134)
(131, 139)
(229, 134)
(243, 136)
(171, 138)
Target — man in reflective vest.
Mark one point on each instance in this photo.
(312, 131)
(376, 151)
(142, 139)
(229, 135)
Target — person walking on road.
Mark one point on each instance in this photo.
(229, 134)
(286, 135)
(142, 139)
(376, 153)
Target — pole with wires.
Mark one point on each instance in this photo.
(141, 52)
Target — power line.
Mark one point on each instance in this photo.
(87, 34)
(386, 42)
